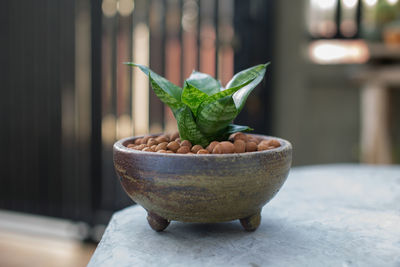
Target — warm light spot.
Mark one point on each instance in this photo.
(349, 4)
(124, 126)
(189, 15)
(109, 7)
(338, 52)
(324, 4)
(140, 102)
(370, 3)
(327, 29)
(392, 2)
(125, 7)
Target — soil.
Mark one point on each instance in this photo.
(171, 143)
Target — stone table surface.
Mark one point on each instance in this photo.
(329, 215)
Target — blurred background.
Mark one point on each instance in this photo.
(66, 97)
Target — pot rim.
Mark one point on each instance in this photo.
(120, 147)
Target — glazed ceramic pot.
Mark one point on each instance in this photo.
(202, 188)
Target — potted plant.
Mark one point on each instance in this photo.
(210, 171)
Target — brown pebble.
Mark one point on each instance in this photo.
(271, 142)
(218, 149)
(169, 151)
(153, 147)
(145, 139)
(161, 146)
(173, 146)
(251, 146)
(238, 136)
(190, 153)
(227, 147)
(178, 140)
(138, 141)
(151, 142)
(262, 146)
(183, 150)
(203, 151)
(161, 151)
(173, 136)
(131, 145)
(162, 138)
(148, 149)
(196, 148)
(212, 145)
(240, 146)
(186, 143)
(253, 139)
(139, 147)
(264, 141)
(275, 143)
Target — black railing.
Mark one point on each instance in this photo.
(67, 96)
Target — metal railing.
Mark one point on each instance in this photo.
(67, 96)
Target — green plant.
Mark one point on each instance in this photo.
(204, 110)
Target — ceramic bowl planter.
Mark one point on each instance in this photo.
(204, 188)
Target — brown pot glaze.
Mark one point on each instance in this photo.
(203, 187)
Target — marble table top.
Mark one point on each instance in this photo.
(329, 215)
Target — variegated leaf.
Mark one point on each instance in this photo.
(168, 92)
(188, 129)
(204, 82)
(192, 97)
(255, 75)
(234, 128)
(214, 116)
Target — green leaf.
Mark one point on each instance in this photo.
(224, 93)
(254, 75)
(214, 116)
(192, 97)
(168, 92)
(187, 127)
(234, 128)
(204, 82)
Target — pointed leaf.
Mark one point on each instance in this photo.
(188, 129)
(192, 97)
(168, 92)
(214, 116)
(225, 92)
(204, 82)
(254, 75)
(234, 128)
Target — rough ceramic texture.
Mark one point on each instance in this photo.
(338, 215)
(202, 188)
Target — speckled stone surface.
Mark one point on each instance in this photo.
(333, 215)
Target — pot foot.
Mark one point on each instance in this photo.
(156, 222)
(252, 222)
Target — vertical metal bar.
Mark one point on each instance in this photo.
(114, 66)
(163, 52)
(156, 21)
(358, 19)
(199, 34)
(216, 25)
(338, 18)
(181, 40)
(5, 105)
(67, 75)
(164, 36)
(96, 144)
